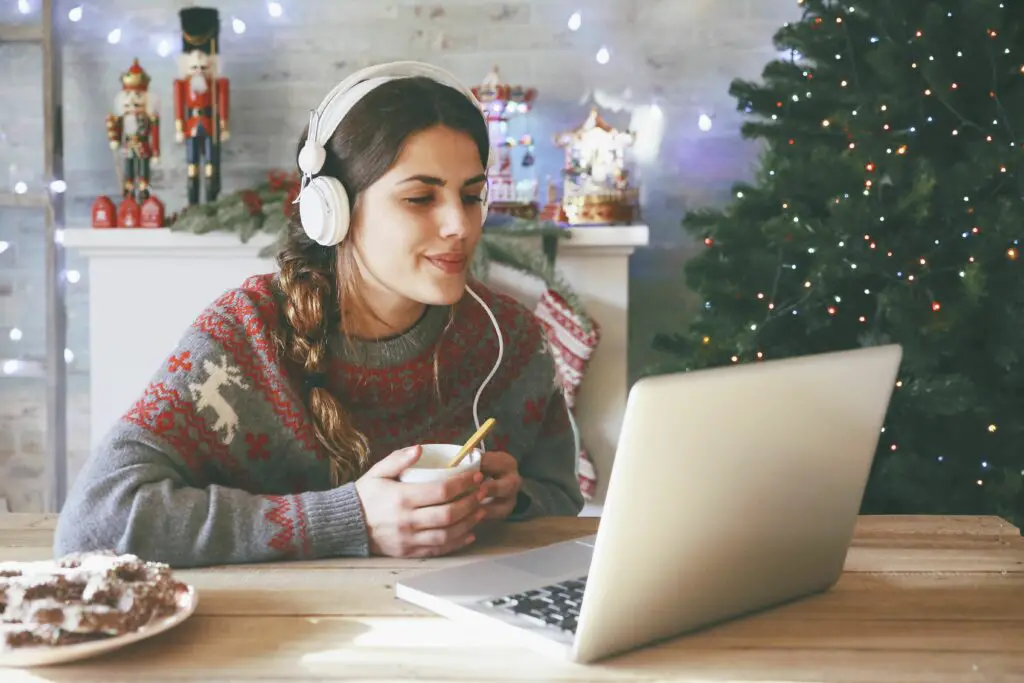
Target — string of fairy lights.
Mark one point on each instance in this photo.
(274, 9)
(1012, 251)
(118, 29)
(1000, 131)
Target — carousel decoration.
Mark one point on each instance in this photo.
(552, 211)
(201, 101)
(133, 131)
(499, 103)
(596, 187)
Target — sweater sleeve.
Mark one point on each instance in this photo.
(551, 485)
(170, 481)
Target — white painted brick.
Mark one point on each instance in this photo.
(682, 53)
(7, 440)
(318, 12)
(479, 13)
(597, 15)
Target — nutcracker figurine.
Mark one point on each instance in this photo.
(134, 133)
(201, 100)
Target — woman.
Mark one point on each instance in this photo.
(280, 424)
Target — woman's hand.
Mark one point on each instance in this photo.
(503, 484)
(422, 519)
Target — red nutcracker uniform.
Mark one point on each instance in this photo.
(201, 101)
(134, 131)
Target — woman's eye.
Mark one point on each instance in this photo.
(420, 200)
(472, 199)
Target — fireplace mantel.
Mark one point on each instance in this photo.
(147, 285)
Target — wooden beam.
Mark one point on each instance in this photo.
(21, 33)
(56, 304)
(11, 200)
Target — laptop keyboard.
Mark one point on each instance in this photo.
(557, 605)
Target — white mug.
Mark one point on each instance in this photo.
(432, 464)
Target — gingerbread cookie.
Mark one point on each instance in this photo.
(82, 597)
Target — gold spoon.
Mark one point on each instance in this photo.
(473, 441)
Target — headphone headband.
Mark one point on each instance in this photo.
(340, 100)
(325, 212)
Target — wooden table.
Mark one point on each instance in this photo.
(923, 599)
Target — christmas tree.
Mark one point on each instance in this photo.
(886, 209)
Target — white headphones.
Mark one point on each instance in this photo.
(323, 202)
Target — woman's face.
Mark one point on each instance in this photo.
(416, 228)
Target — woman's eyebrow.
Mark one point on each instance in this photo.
(440, 182)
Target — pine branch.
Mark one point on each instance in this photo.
(522, 227)
(245, 212)
(504, 250)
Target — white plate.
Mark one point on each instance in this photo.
(48, 655)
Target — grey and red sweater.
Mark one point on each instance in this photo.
(217, 462)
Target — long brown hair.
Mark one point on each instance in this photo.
(318, 282)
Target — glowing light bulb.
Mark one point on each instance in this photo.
(24, 7)
(274, 9)
(704, 122)
(164, 48)
(603, 56)
(75, 13)
(15, 334)
(237, 25)
(114, 37)
(574, 21)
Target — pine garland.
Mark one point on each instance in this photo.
(500, 246)
(267, 208)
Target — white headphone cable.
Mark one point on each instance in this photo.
(497, 364)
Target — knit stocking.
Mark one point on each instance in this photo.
(572, 347)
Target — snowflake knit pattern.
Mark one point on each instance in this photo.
(217, 461)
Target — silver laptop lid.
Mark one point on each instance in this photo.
(732, 489)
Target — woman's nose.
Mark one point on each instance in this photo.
(456, 221)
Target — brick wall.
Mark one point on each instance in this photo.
(680, 55)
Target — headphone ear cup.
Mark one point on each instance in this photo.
(324, 211)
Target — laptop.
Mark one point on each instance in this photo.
(733, 490)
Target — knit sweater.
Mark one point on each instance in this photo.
(217, 461)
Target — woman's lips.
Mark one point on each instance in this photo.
(449, 264)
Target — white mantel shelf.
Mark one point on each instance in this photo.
(147, 285)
